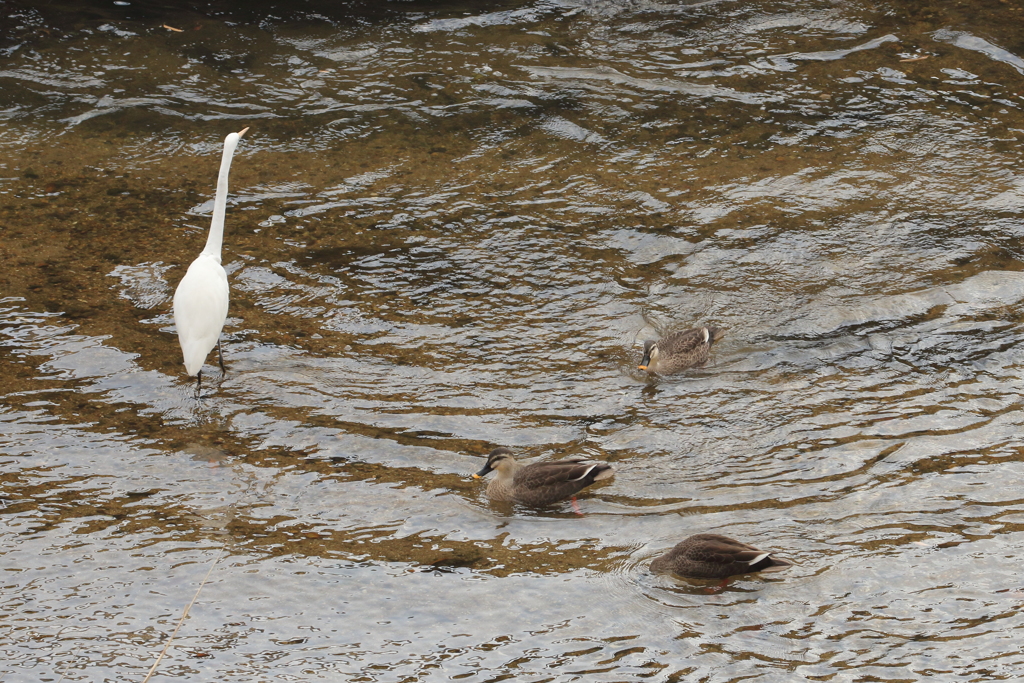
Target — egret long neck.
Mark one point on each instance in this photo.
(216, 236)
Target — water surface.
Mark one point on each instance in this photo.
(450, 227)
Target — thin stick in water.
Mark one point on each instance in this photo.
(180, 622)
(66, 669)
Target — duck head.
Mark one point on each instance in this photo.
(650, 356)
(499, 459)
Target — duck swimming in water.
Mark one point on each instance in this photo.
(540, 483)
(710, 556)
(680, 351)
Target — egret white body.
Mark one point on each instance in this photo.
(201, 300)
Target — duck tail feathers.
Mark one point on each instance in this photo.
(774, 564)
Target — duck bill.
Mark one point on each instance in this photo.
(645, 362)
(481, 473)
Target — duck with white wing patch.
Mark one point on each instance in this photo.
(540, 483)
(680, 351)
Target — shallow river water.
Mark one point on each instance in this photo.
(450, 227)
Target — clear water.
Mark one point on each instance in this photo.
(451, 226)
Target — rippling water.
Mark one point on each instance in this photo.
(450, 227)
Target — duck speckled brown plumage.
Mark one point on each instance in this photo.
(540, 483)
(679, 351)
(710, 556)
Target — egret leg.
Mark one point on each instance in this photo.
(220, 357)
(199, 382)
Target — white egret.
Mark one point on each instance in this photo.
(201, 299)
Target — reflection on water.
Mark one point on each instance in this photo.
(452, 227)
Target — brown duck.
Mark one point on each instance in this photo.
(679, 351)
(710, 556)
(540, 483)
